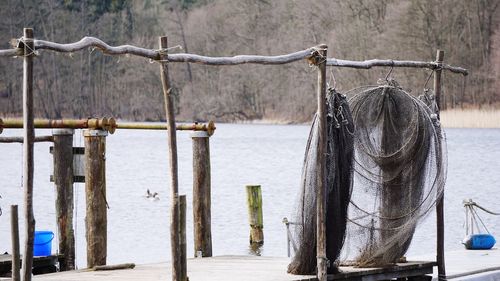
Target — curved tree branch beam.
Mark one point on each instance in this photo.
(243, 59)
(367, 64)
(11, 52)
(309, 53)
(88, 42)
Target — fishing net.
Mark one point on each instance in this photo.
(400, 172)
(339, 172)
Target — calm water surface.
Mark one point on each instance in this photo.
(269, 155)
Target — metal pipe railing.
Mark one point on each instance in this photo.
(107, 124)
(89, 123)
(209, 127)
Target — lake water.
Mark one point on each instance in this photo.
(269, 155)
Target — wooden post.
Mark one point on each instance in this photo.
(322, 262)
(440, 203)
(95, 193)
(29, 135)
(14, 230)
(182, 237)
(172, 149)
(63, 180)
(255, 218)
(201, 195)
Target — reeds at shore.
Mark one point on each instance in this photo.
(471, 118)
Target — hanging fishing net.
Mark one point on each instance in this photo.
(400, 172)
(339, 171)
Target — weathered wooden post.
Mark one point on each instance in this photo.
(14, 230)
(255, 217)
(172, 149)
(322, 262)
(201, 194)
(95, 193)
(29, 135)
(63, 180)
(182, 237)
(440, 203)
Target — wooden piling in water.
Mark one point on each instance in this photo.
(255, 217)
(95, 193)
(29, 135)
(202, 195)
(14, 230)
(440, 201)
(63, 180)
(182, 238)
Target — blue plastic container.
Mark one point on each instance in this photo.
(479, 242)
(43, 243)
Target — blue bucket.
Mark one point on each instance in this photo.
(43, 243)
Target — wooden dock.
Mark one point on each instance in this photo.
(244, 268)
(461, 265)
(471, 264)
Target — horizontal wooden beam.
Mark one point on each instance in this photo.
(367, 64)
(243, 59)
(88, 42)
(11, 52)
(97, 43)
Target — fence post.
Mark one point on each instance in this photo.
(202, 194)
(29, 136)
(63, 180)
(322, 262)
(440, 201)
(182, 237)
(14, 230)
(172, 153)
(95, 193)
(255, 218)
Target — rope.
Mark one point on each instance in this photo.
(316, 57)
(390, 71)
(164, 52)
(32, 51)
(470, 212)
(428, 78)
(332, 78)
(480, 220)
(472, 217)
(472, 203)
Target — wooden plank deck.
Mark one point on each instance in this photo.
(471, 264)
(245, 268)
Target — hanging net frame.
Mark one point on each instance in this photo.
(339, 172)
(399, 172)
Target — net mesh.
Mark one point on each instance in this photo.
(382, 178)
(339, 172)
(400, 172)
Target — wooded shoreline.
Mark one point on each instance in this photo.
(452, 118)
